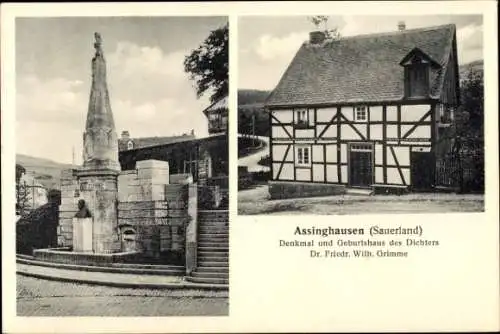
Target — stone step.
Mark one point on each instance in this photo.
(210, 253)
(213, 264)
(212, 269)
(210, 275)
(213, 230)
(208, 280)
(218, 249)
(213, 243)
(214, 223)
(212, 258)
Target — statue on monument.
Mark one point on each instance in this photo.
(83, 211)
(98, 43)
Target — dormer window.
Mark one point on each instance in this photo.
(417, 66)
(130, 145)
(417, 80)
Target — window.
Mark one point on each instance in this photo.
(303, 156)
(360, 114)
(130, 145)
(301, 117)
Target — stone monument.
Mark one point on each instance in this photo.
(97, 178)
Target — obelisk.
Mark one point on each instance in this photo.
(97, 178)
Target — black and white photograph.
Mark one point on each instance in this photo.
(122, 166)
(360, 114)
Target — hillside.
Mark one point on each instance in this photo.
(251, 102)
(476, 66)
(46, 171)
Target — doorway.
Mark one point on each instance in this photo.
(360, 165)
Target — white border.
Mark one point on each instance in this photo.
(273, 289)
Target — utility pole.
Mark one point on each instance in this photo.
(73, 154)
(253, 129)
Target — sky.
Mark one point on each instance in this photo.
(150, 93)
(271, 42)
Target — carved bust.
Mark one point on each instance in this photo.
(83, 211)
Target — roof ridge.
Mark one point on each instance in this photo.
(392, 33)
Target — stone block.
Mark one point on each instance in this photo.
(147, 213)
(144, 205)
(151, 163)
(181, 179)
(154, 176)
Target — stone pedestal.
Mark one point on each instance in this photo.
(99, 190)
(82, 235)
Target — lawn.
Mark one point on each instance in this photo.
(255, 202)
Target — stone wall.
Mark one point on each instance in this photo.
(152, 209)
(282, 190)
(68, 208)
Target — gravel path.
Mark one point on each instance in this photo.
(36, 297)
(255, 201)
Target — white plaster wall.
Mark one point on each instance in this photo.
(394, 177)
(376, 132)
(284, 116)
(379, 174)
(279, 132)
(379, 151)
(331, 132)
(344, 175)
(392, 113)
(325, 114)
(343, 153)
(287, 172)
(318, 173)
(411, 113)
(375, 113)
(347, 133)
(317, 154)
(421, 131)
(392, 131)
(304, 133)
(276, 167)
(303, 174)
(331, 153)
(348, 113)
(279, 153)
(331, 174)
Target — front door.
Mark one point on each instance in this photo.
(360, 165)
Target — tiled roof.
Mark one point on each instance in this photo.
(364, 68)
(219, 104)
(152, 141)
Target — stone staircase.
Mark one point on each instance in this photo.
(213, 248)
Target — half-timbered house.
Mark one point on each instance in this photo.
(367, 111)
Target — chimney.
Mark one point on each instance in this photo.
(317, 37)
(401, 26)
(125, 135)
(192, 132)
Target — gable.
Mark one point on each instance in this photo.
(361, 68)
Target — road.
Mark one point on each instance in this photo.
(255, 201)
(37, 297)
(252, 161)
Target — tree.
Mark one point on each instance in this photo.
(23, 197)
(208, 65)
(472, 95)
(331, 34)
